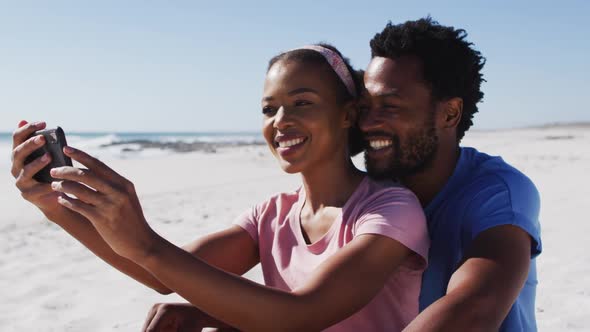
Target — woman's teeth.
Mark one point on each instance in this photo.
(380, 144)
(286, 144)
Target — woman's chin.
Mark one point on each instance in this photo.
(290, 168)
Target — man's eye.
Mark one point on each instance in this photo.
(390, 107)
(302, 103)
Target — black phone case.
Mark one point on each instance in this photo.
(55, 140)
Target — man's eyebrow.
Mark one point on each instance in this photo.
(392, 93)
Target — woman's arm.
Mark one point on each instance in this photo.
(45, 199)
(340, 286)
(180, 317)
(83, 231)
(232, 249)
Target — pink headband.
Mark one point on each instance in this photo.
(337, 64)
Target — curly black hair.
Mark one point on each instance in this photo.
(450, 65)
(356, 142)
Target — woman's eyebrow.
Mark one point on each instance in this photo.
(293, 92)
(301, 90)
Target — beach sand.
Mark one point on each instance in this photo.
(49, 282)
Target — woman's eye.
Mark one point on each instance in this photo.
(267, 110)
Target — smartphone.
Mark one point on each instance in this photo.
(55, 140)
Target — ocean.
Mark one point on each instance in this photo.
(145, 145)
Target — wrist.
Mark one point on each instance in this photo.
(150, 250)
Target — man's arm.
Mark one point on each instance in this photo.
(484, 287)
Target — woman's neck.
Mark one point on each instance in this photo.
(330, 185)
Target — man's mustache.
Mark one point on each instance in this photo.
(376, 134)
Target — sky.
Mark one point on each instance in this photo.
(199, 66)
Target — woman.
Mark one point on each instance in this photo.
(341, 253)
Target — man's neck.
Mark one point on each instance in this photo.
(427, 183)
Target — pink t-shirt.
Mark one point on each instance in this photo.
(374, 208)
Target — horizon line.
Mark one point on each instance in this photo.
(536, 126)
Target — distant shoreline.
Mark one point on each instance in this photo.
(580, 124)
(551, 125)
(147, 143)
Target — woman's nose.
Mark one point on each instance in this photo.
(282, 118)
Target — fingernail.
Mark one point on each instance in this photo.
(38, 124)
(68, 149)
(22, 123)
(53, 172)
(54, 185)
(45, 157)
(39, 139)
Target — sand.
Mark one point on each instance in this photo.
(49, 282)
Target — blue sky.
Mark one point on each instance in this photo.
(199, 66)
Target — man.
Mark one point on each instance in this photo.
(423, 84)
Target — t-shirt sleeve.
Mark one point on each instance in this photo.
(511, 199)
(397, 214)
(248, 220)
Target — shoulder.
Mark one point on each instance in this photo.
(492, 180)
(278, 201)
(393, 211)
(266, 214)
(277, 205)
(389, 203)
(499, 194)
(389, 193)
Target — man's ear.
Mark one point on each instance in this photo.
(452, 110)
(351, 114)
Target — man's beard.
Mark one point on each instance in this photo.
(415, 155)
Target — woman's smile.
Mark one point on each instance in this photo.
(287, 145)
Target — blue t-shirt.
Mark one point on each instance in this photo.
(483, 192)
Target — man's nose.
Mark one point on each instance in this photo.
(369, 120)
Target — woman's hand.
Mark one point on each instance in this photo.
(109, 201)
(179, 317)
(40, 194)
(172, 317)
